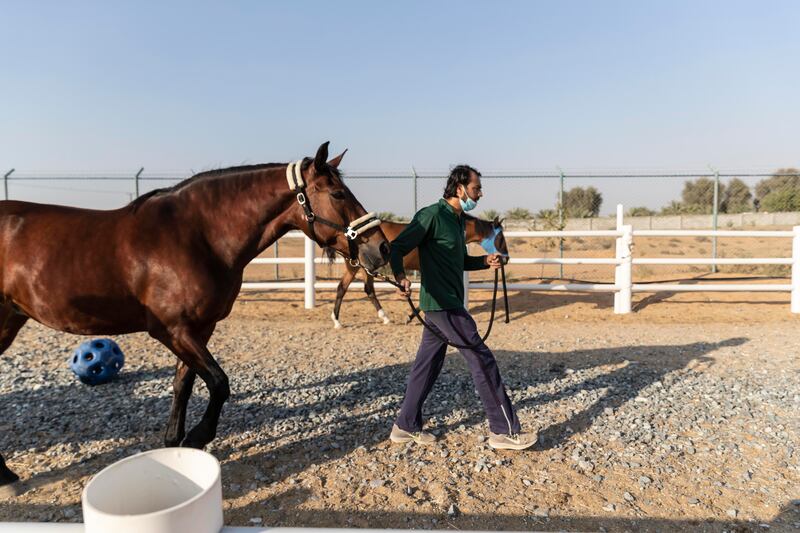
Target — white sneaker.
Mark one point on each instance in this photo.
(513, 441)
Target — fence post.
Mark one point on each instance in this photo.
(796, 270)
(617, 255)
(414, 183)
(136, 181)
(276, 254)
(561, 221)
(623, 277)
(5, 183)
(466, 290)
(310, 273)
(714, 223)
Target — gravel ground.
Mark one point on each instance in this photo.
(646, 422)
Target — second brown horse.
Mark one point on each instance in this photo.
(487, 232)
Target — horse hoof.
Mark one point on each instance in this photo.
(11, 490)
(337, 325)
(386, 320)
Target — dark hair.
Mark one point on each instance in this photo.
(460, 175)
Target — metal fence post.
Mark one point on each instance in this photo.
(136, 181)
(561, 222)
(714, 223)
(466, 289)
(5, 183)
(310, 273)
(275, 254)
(796, 270)
(617, 255)
(414, 183)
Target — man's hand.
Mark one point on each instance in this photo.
(493, 261)
(406, 284)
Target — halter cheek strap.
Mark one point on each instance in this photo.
(294, 178)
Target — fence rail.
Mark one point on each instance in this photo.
(623, 261)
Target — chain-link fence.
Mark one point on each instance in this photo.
(532, 200)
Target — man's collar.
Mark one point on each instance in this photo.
(446, 204)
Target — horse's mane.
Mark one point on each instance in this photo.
(208, 174)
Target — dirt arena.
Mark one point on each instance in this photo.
(680, 416)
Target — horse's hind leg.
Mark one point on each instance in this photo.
(10, 324)
(341, 290)
(369, 288)
(182, 389)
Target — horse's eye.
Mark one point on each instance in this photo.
(338, 195)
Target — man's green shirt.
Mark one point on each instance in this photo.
(439, 233)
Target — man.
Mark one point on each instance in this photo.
(438, 232)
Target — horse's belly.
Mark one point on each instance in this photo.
(88, 315)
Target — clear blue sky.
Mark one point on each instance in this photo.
(112, 86)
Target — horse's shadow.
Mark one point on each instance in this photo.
(24, 412)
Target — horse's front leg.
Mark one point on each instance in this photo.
(182, 390)
(190, 347)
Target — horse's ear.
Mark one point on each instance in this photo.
(336, 160)
(320, 160)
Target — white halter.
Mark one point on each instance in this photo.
(294, 176)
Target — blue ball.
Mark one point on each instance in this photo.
(97, 361)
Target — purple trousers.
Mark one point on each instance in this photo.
(457, 326)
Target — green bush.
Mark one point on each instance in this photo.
(640, 212)
(782, 200)
(490, 214)
(518, 213)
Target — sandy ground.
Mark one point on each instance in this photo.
(715, 378)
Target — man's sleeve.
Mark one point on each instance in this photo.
(409, 239)
(474, 262)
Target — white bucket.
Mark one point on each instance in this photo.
(170, 490)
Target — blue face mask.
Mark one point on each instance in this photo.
(488, 243)
(468, 204)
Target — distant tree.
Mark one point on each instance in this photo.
(738, 197)
(518, 213)
(787, 199)
(779, 192)
(781, 180)
(582, 203)
(640, 212)
(698, 196)
(490, 214)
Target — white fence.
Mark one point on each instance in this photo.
(623, 261)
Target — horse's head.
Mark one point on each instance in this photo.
(331, 215)
(489, 233)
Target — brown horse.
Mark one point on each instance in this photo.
(171, 265)
(487, 232)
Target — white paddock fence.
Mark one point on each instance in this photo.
(623, 261)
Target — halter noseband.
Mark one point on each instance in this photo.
(294, 177)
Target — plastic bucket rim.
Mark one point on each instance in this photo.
(206, 490)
